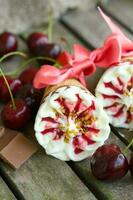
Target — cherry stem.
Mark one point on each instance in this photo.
(50, 26)
(12, 54)
(128, 146)
(24, 64)
(8, 87)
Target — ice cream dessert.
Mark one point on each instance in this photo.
(70, 123)
(115, 92)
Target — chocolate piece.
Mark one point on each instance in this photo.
(6, 135)
(15, 148)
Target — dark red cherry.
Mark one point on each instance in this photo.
(8, 43)
(15, 118)
(14, 84)
(31, 96)
(28, 75)
(35, 41)
(131, 164)
(49, 50)
(108, 163)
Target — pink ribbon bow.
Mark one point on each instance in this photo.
(83, 62)
(76, 66)
(116, 46)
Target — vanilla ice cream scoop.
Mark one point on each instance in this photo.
(115, 93)
(70, 123)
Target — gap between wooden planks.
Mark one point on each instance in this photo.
(43, 177)
(121, 10)
(117, 190)
(91, 28)
(5, 192)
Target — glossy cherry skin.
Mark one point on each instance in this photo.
(108, 163)
(131, 164)
(15, 118)
(49, 50)
(35, 41)
(8, 43)
(28, 75)
(14, 84)
(31, 96)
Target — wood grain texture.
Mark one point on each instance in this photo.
(43, 177)
(122, 10)
(126, 135)
(93, 29)
(5, 193)
(90, 26)
(117, 190)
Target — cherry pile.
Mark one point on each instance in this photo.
(25, 97)
(109, 163)
(21, 100)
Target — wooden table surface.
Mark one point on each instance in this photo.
(45, 178)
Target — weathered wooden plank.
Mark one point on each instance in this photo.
(104, 190)
(5, 193)
(121, 10)
(92, 28)
(58, 32)
(44, 177)
(121, 189)
(89, 26)
(124, 134)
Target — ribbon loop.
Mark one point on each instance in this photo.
(73, 66)
(126, 45)
(83, 62)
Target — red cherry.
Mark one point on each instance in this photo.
(49, 50)
(8, 43)
(28, 75)
(31, 96)
(108, 163)
(15, 118)
(14, 84)
(35, 40)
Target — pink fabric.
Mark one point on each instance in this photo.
(76, 66)
(125, 45)
(83, 62)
